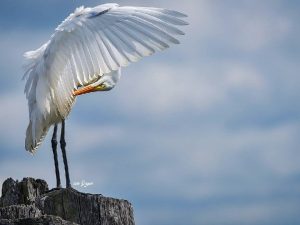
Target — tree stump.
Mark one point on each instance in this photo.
(29, 202)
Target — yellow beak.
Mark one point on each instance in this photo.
(88, 89)
(84, 90)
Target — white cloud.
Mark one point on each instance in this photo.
(206, 151)
(259, 28)
(13, 119)
(252, 213)
(85, 137)
(184, 87)
(214, 162)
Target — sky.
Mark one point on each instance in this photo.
(206, 132)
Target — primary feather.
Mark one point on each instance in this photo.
(90, 43)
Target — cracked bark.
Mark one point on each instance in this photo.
(30, 202)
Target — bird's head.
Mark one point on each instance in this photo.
(105, 83)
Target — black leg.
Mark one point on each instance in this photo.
(63, 149)
(54, 149)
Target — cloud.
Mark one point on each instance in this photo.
(86, 137)
(209, 127)
(13, 117)
(13, 43)
(180, 88)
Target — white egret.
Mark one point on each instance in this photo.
(85, 54)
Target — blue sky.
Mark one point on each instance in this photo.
(206, 132)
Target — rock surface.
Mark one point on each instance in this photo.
(29, 202)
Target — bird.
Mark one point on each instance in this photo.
(85, 54)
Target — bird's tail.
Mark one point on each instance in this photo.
(35, 134)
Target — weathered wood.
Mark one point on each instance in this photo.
(23, 192)
(30, 202)
(42, 220)
(19, 212)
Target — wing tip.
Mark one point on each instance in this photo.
(177, 13)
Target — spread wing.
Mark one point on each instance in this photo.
(92, 42)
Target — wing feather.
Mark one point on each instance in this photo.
(158, 22)
(126, 44)
(88, 44)
(118, 44)
(92, 49)
(152, 29)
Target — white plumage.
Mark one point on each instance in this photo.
(89, 47)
